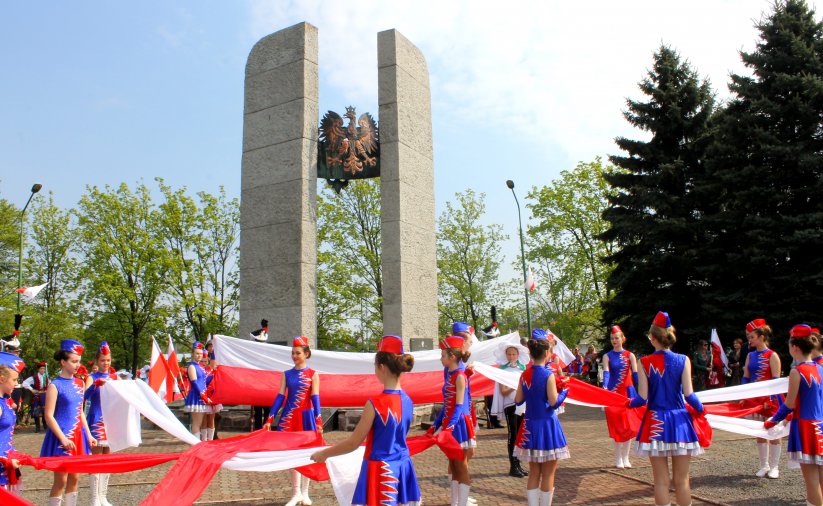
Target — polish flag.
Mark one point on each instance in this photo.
(718, 348)
(31, 292)
(159, 373)
(174, 371)
(530, 284)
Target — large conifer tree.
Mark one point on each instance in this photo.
(763, 187)
(652, 212)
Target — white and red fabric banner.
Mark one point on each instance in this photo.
(30, 292)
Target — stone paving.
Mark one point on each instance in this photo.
(723, 476)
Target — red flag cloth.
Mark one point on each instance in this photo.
(9, 499)
(701, 427)
(187, 479)
(733, 409)
(238, 385)
(93, 464)
(623, 423)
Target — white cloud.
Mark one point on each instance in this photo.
(551, 72)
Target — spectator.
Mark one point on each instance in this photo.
(702, 365)
(736, 359)
(590, 361)
(260, 413)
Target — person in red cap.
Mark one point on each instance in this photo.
(387, 475)
(99, 483)
(804, 402)
(37, 384)
(10, 368)
(455, 416)
(620, 376)
(197, 401)
(299, 397)
(763, 364)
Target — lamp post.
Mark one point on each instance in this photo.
(34, 189)
(510, 185)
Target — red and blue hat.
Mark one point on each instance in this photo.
(12, 361)
(662, 320)
(451, 342)
(198, 346)
(462, 327)
(540, 335)
(801, 331)
(104, 348)
(72, 346)
(755, 324)
(391, 344)
(616, 330)
(300, 341)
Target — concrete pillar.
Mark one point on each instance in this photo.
(278, 247)
(407, 186)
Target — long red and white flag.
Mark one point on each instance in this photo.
(717, 347)
(31, 292)
(174, 369)
(530, 285)
(159, 373)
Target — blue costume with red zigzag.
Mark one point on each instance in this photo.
(760, 369)
(540, 437)
(806, 427)
(95, 417)
(453, 416)
(387, 474)
(7, 420)
(68, 412)
(298, 412)
(667, 428)
(620, 368)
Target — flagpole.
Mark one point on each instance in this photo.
(510, 184)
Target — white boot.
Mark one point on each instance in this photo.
(774, 460)
(209, 434)
(627, 447)
(463, 494)
(763, 453)
(55, 501)
(618, 455)
(455, 493)
(94, 490)
(304, 491)
(103, 487)
(71, 498)
(204, 434)
(533, 496)
(296, 497)
(546, 497)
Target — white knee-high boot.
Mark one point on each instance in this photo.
(55, 501)
(533, 496)
(546, 497)
(774, 460)
(618, 455)
(627, 447)
(304, 491)
(463, 494)
(209, 434)
(103, 487)
(71, 498)
(455, 498)
(94, 490)
(295, 488)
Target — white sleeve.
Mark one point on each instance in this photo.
(29, 383)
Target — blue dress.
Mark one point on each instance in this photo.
(195, 403)
(666, 429)
(620, 372)
(463, 430)
(806, 427)
(760, 369)
(95, 414)
(68, 412)
(7, 420)
(387, 474)
(298, 412)
(540, 438)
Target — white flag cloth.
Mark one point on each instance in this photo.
(28, 293)
(716, 340)
(248, 354)
(530, 285)
(563, 351)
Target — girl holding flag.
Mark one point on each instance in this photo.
(197, 402)
(805, 402)
(299, 397)
(99, 483)
(620, 376)
(540, 440)
(667, 430)
(387, 474)
(10, 368)
(763, 364)
(68, 432)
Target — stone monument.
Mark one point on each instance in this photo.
(278, 245)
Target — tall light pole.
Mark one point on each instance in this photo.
(510, 184)
(34, 189)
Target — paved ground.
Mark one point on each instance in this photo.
(724, 476)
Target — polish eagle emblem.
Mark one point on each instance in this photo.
(354, 147)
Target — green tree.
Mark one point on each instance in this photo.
(566, 254)
(653, 213)
(126, 264)
(9, 244)
(468, 261)
(764, 179)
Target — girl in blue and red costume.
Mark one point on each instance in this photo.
(466, 331)
(763, 364)
(99, 483)
(556, 364)
(455, 416)
(197, 402)
(10, 368)
(620, 376)
(299, 397)
(387, 476)
(540, 440)
(68, 432)
(667, 429)
(805, 402)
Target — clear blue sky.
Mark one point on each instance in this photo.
(98, 93)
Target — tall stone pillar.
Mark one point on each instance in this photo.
(407, 186)
(279, 185)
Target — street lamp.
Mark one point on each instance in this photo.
(510, 184)
(34, 189)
